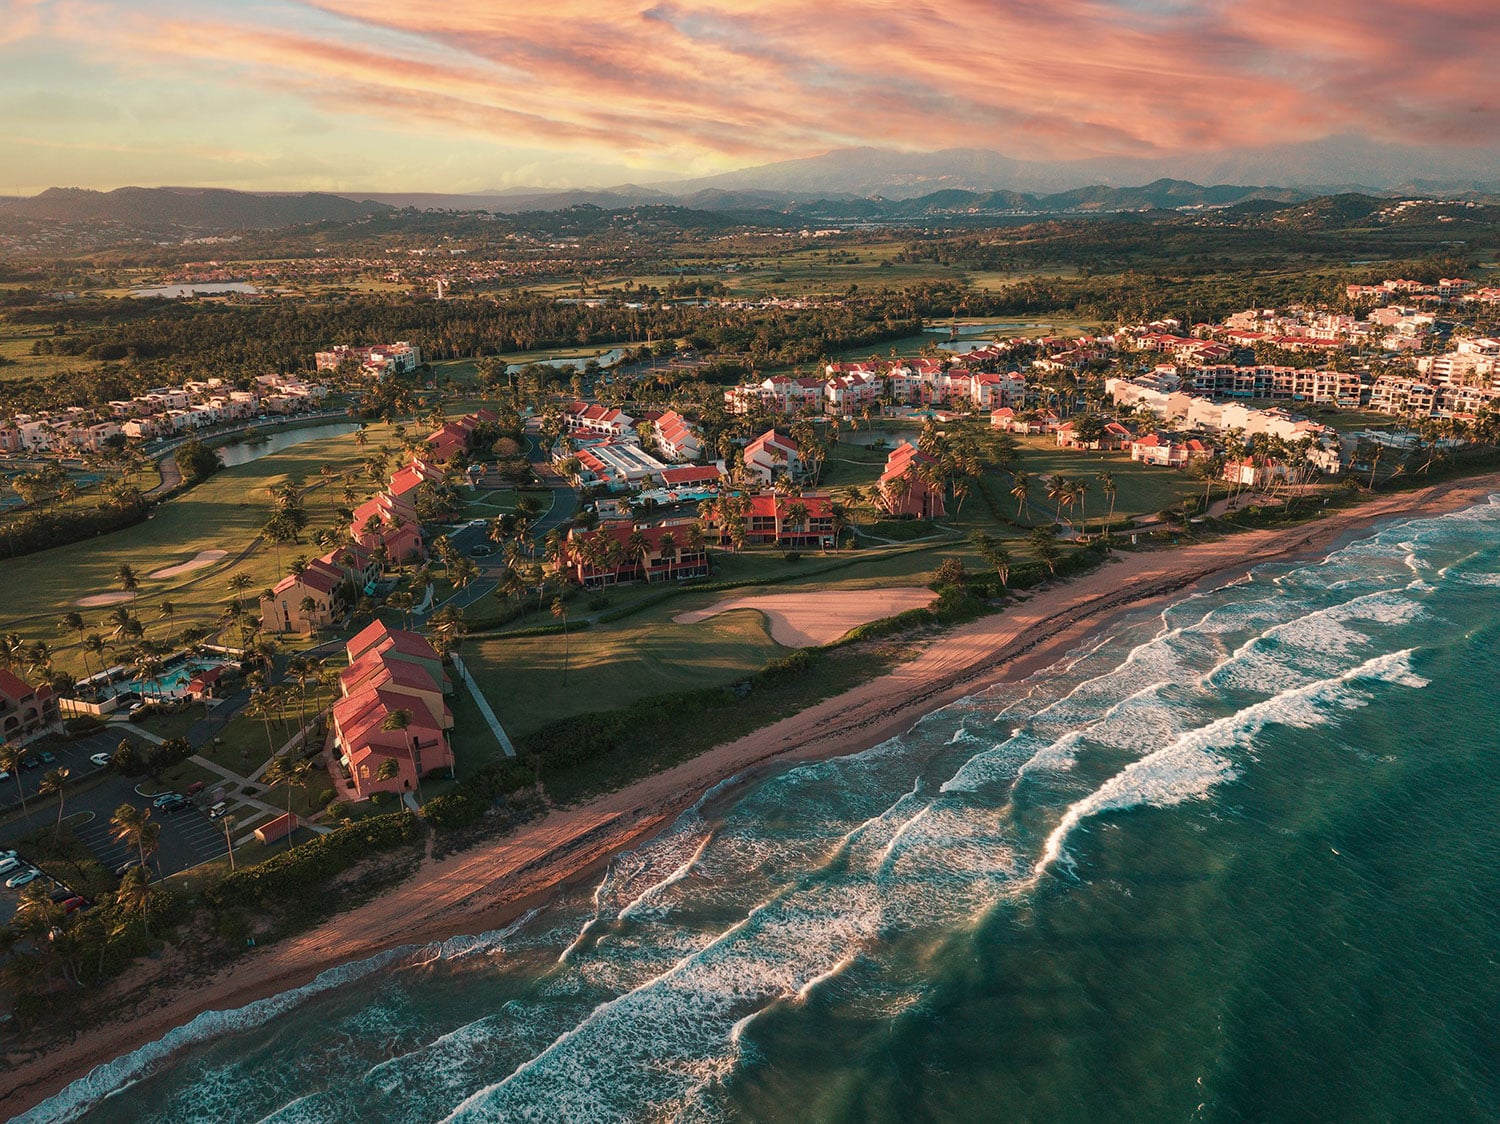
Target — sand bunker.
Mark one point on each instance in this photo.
(804, 620)
(197, 562)
(95, 600)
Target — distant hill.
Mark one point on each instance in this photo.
(1324, 166)
(202, 209)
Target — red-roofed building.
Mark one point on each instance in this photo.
(24, 709)
(1156, 449)
(409, 477)
(785, 521)
(701, 476)
(307, 601)
(904, 489)
(389, 522)
(771, 455)
(391, 671)
(620, 552)
(676, 437)
(584, 417)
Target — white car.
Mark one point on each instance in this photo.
(101, 759)
(10, 864)
(17, 880)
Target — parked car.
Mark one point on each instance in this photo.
(30, 761)
(195, 788)
(126, 867)
(76, 902)
(218, 809)
(10, 865)
(102, 759)
(165, 798)
(15, 881)
(48, 757)
(4, 776)
(483, 550)
(171, 807)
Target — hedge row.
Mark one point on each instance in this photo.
(308, 865)
(469, 801)
(40, 530)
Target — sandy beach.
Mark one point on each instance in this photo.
(485, 888)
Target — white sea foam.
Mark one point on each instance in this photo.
(1196, 762)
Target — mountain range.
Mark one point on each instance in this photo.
(849, 185)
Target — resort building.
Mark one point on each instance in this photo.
(412, 475)
(614, 553)
(394, 358)
(604, 421)
(25, 709)
(771, 455)
(676, 437)
(387, 524)
(904, 487)
(391, 671)
(304, 602)
(771, 519)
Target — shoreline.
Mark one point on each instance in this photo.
(491, 885)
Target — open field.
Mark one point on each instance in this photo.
(610, 666)
(226, 512)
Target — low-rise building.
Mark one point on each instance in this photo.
(905, 488)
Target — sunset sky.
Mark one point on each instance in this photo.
(461, 95)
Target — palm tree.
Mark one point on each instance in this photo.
(11, 756)
(39, 659)
(93, 645)
(1021, 489)
(166, 611)
(1108, 487)
(289, 770)
(73, 621)
(560, 611)
(132, 826)
(54, 784)
(12, 650)
(134, 896)
(125, 575)
(1058, 488)
(228, 824)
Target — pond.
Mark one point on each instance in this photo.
(244, 451)
(178, 292)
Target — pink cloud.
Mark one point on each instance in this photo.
(707, 79)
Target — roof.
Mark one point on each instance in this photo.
(691, 474)
(13, 687)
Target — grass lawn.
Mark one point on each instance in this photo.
(225, 512)
(1141, 489)
(609, 666)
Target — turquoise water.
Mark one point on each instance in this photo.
(1235, 861)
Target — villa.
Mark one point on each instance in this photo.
(622, 552)
(916, 496)
(314, 598)
(676, 437)
(771, 455)
(25, 709)
(391, 671)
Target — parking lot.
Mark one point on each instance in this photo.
(188, 837)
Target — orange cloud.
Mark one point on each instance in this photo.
(706, 80)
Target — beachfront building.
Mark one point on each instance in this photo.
(390, 671)
(1168, 452)
(772, 519)
(618, 552)
(771, 455)
(24, 709)
(905, 489)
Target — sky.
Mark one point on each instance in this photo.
(467, 95)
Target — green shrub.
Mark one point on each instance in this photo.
(82, 725)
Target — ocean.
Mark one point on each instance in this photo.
(1235, 860)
